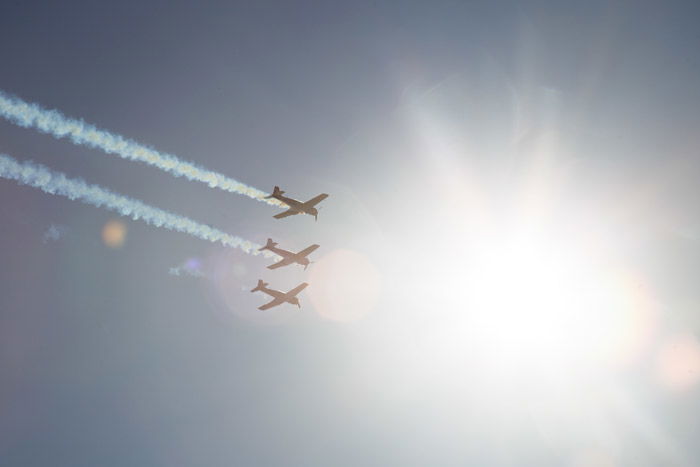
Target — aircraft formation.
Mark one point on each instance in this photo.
(52, 122)
(294, 207)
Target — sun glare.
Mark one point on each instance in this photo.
(344, 285)
(521, 323)
(528, 284)
(542, 305)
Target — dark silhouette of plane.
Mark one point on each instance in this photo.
(279, 297)
(296, 206)
(287, 256)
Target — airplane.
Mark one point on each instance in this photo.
(287, 256)
(279, 297)
(296, 206)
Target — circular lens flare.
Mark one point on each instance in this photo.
(114, 233)
(344, 286)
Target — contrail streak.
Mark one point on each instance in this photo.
(59, 126)
(56, 183)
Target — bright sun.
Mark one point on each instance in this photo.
(550, 306)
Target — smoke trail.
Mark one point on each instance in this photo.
(54, 233)
(56, 183)
(181, 271)
(191, 267)
(56, 124)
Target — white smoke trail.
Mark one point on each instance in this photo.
(56, 183)
(54, 233)
(191, 267)
(180, 271)
(56, 124)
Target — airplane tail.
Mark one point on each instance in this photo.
(260, 285)
(268, 245)
(307, 264)
(275, 192)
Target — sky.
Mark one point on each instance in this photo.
(509, 252)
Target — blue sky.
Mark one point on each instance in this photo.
(508, 262)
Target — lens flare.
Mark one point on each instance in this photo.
(678, 363)
(114, 234)
(344, 286)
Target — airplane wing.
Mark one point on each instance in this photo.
(286, 213)
(297, 289)
(270, 304)
(316, 200)
(279, 264)
(307, 251)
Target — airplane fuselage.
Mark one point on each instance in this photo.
(280, 295)
(296, 205)
(289, 256)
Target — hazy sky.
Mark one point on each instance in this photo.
(448, 134)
